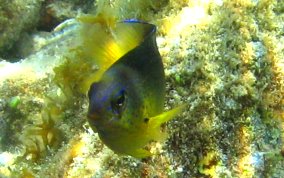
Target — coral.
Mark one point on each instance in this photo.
(224, 59)
(225, 79)
(71, 74)
(209, 164)
(40, 137)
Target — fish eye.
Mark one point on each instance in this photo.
(118, 103)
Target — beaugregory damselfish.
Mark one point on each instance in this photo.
(126, 98)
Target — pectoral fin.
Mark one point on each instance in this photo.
(156, 121)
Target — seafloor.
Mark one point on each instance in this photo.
(224, 59)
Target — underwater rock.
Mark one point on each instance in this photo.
(224, 59)
(55, 12)
(23, 22)
(16, 18)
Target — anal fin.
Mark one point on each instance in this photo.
(140, 153)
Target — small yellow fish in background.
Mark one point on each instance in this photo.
(126, 96)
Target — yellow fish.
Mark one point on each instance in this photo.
(126, 98)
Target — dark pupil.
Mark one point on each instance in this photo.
(118, 103)
(120, 100)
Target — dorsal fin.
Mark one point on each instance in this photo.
(103, 41)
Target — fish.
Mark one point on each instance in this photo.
(126, 98)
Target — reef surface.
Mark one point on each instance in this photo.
(223, 59)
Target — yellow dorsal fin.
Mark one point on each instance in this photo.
(104, 41)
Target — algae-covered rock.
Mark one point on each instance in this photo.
(16, 17)
(21, 23)
(223, 60)
(55, 12)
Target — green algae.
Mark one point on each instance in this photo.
(14, 102)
